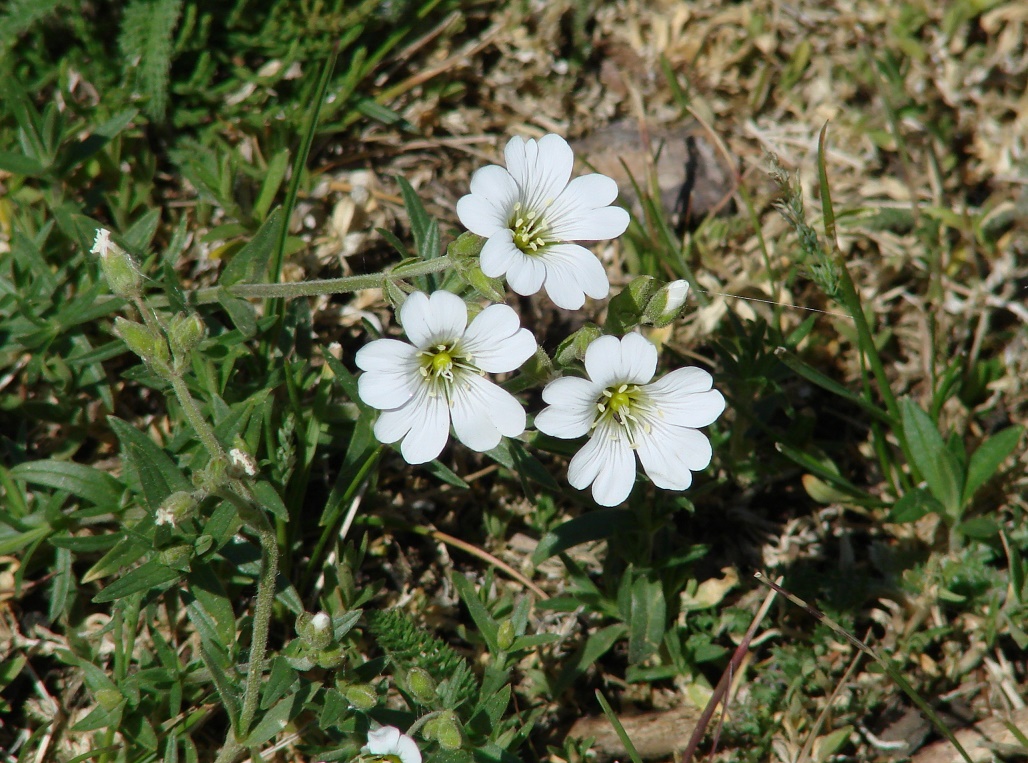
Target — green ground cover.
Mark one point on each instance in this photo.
(190, 472)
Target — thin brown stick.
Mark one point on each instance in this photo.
(490, 559)
(720, 694)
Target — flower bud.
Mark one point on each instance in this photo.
(361, 696)
(147, 344)
(212, 477)
(445, 729)
(664, 306)
(467, 244)
(177, 557)
(185, 331)
(421, 685)
(118, 266)
(505, 635)
(331, 657)
(109, 699)
(625, 311)
(315, 631)
(573, 348)
(176, 508)
(242, 463)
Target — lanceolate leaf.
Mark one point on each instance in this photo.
(986, 461)
(932, 459)
(78, 479)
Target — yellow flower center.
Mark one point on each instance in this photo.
(530, 230)
(444, 365)
(441, 362)
(628, 407)
(619, 401)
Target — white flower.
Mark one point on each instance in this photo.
(102, 242)
(243, 461)
(676, 291)
(529, 213)
(437, 379)
(164, 516)
(321, 622)
(622, 412)
(389, 741)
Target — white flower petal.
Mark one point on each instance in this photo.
(408, 750)
(498, 254)
(588, 462)
(488, 207)
(389, 741)
(572, 408)
(603, 360)
(607, 462)
(436, 319)
(565, 423)
(581, 213)
(385, 355)
(394, 424)
(387, 390)
(670, 454)
(570, 391)
(482, 412)
(429, 428)
(496, 341)
(525, 274)
(570, 271)
(684, 398)
(638, 359)
(540, 168)
(383, 741)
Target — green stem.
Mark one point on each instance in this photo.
(200, 425)
(343, 285)
(261, 621)
(324, 286)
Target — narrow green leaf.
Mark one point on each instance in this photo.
(80, 480)
(205, 585)
(931, 458)
(19, 164)
(217, 663)
(125, 553)
(241, 312)
(988, 458)
(273, 177)
(275, 720)
(646, 619)
(159, 477)
(591, 526)
(280, 678)
(19, 540)
(420, 221)
(827, 211)
(626, 740)
(150, 575)
(487, 626)
(597, 645)
(979, 528)
(251, 262)
(269, 498)
(913, 505)
(814, 376)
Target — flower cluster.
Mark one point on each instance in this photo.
(529, 215)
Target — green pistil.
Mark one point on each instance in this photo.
(442, 364)
(529, 229)
(623, 404)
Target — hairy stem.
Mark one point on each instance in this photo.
(200, 425)
(261, 622)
